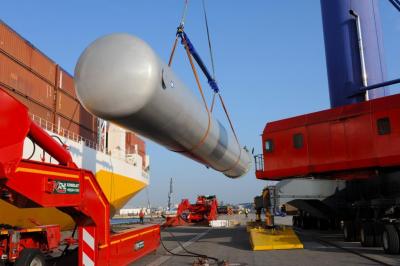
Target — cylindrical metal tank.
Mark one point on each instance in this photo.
(120, 78)
(342, 49)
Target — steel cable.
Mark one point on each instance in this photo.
(209, 40)
(396, 4)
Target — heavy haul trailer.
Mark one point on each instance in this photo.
(358, 143)
(27, 184)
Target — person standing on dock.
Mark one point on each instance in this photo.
(141, 216)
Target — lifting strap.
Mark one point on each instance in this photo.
(180, 27)
(202, 96)
(192, 53)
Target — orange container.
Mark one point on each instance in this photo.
(32, 77)
(68, 106)
(131, 139)
(43, 112)
(66, 83)
(26, 54)
(16, 77)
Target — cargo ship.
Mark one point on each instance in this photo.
(117, 157)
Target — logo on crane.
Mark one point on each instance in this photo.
(65, 187)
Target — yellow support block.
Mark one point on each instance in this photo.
(272, 239)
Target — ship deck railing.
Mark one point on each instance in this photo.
(49, 126)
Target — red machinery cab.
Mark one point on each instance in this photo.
(345, 142)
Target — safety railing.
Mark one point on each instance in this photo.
(64, 132)
(43, 123)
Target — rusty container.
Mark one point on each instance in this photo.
(32, 78)
(67, 128)
(26, 54)
(66, 83)
(131, 140)
(43, 66)
(44, 115)
(14, 45)
(16, 77)
(68, 106)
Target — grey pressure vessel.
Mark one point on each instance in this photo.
(120, 79)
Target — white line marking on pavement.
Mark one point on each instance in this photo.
(178, 249)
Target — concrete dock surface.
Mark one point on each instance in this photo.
(232, 246)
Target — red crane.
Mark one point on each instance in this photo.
(75, 191)
(203, 211)
(358, 143)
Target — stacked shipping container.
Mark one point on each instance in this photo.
(134, 144)
(46, 89)
(42, 85)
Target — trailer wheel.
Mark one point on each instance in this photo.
(348, 231)
(378, 230)
(322, 224)
(30, 257)
(390, 239)
(299, 221)
(304, 222)
(294, 221)
(367, 234)
(334, 224)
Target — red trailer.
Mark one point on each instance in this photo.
(27, 184)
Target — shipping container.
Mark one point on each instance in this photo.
(68, 106)
(134, 143)
(14, 45)
(14, 76)
(45, 88)
(87, 119)
(43, 114)
(73, 130)
(43, 66)
(26, 54)
(66, 83)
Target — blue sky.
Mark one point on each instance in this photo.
(269, 56)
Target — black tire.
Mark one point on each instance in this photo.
(304, 222)
(357, 228)
(334, 224)
(378, 230)
(299, 221)
(348, 231)
(294, 221)
(391, 239)
(318, 224)
(30, 257)
(322, 224)
(312, 222)
(367, 234)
